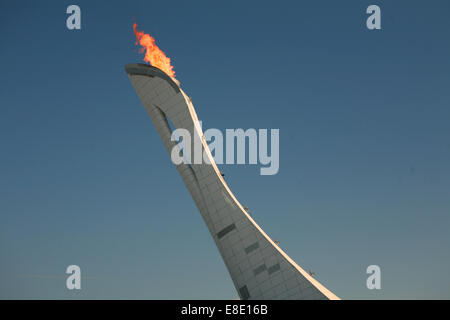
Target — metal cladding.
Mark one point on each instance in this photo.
(258, 267)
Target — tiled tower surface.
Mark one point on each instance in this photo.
(258, 267)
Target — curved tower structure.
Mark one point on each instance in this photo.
(258, 267)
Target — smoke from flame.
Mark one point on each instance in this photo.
(153, 54)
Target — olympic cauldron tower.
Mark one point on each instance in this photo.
(258, 267)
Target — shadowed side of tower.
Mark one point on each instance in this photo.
(258, 267)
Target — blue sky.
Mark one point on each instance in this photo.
(364, 145)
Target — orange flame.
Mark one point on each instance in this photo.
(153, 54)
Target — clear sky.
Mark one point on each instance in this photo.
(364, 145)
